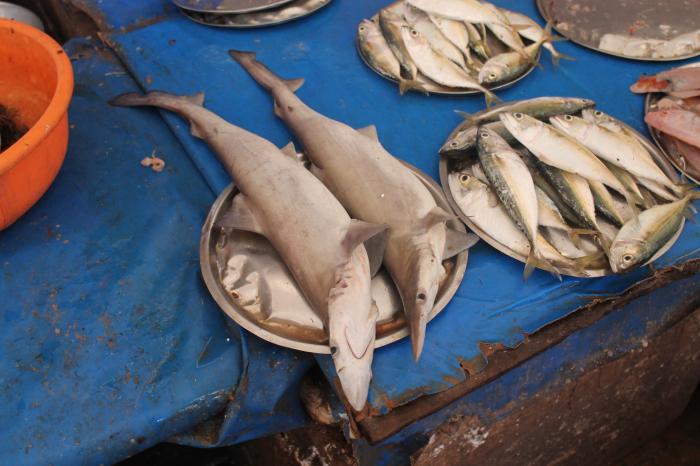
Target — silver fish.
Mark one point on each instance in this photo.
(320, 244)
(540, 107)
(391, 25)
(467, 11)
(456, 32)
(629, 183)
(644, 239)
(509, 65)
(437, 40)
(376, 51)
(556, 149)
(605, 204)
(504, 31)
(373, 184)
(287, 12)
(465, 139)
(438, 67)
(511, 180)
(477, 42)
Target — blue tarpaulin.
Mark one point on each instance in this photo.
(111, 342)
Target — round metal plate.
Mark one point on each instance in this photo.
(289, 12)
(586, 21)
(494, 43)
(289, 321)
(668, 152)
(228, 6)
(447, 166)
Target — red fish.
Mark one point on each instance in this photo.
(681, 124)
(675, 80)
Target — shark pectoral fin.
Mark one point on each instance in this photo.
(457, 241)
(359, 342)
(434, 217)
(240, 217)
(369, 131)
(360, 232)
(375, 247)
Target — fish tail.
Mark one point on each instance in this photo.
(408, 84)
(595, 260)
(557, 56)
(468, 117)
(491, 98)
(534, 260)
(262, 74)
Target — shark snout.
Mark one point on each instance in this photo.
(355, 383)
(418, 320)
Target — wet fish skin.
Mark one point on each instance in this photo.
(376, 51)
(467, 11)
(420, 21)
(465, 140)
(681, 124)
(391, 24)
(456, 32)
(605, 204)
(554, 148)
(529, 29)
(320, 244)
(629, 183)
(504, 30)
(644, 239)
(477, 43)
(677, 79)
(371, 183)
(509, 65)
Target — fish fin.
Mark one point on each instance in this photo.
(359, 232)
(530, 264)
(290, 151)
(276, 108)
(240, 216)
(358, 343)
(294, 84)
(375, 247)
(492, 199)
(576, 233)
(369, 131)
(434, 217)
(196, 131)
(457, 241)
(557, 57)
(468, 117)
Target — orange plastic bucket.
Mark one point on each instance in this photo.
(36, 81)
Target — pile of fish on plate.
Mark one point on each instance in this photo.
(452, 46)
(358, 208)
(280, 12)
(563, 187)
(673, 115)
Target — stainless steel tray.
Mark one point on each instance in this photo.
(228, 6)
(494, 43)
(231, 263)
(283, 14)
(448, 165)
(668, 152)
(586, 21)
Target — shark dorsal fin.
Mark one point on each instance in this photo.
(369, 131)
(294, 84)
(240, 216)
(290, 151)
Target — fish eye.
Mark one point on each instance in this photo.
(568, 117)
(454, 144)
(492, 76)
(484, 134)
(627, 258)
(334, 349)
(414, 33)
(362, 28)
(518, 116)
(463, 178)
(598, 113)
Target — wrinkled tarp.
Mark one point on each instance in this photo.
(110, 341)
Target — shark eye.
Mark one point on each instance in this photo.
(334, 349)
(518, 116)
(421, 297)
(568, 118)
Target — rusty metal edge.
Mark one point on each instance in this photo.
(375, 429)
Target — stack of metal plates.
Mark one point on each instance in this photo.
(247, 13)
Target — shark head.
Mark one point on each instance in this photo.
(424, 270)
(352, 318)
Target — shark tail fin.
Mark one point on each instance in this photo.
(261, 73)
(174, 103)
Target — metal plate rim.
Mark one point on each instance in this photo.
(253, 26)
(279, 3)
(654, 96)
(498, 87)
(213, 285)
(541, 10)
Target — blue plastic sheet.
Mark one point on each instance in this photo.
(110, 342)
(493, 304)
